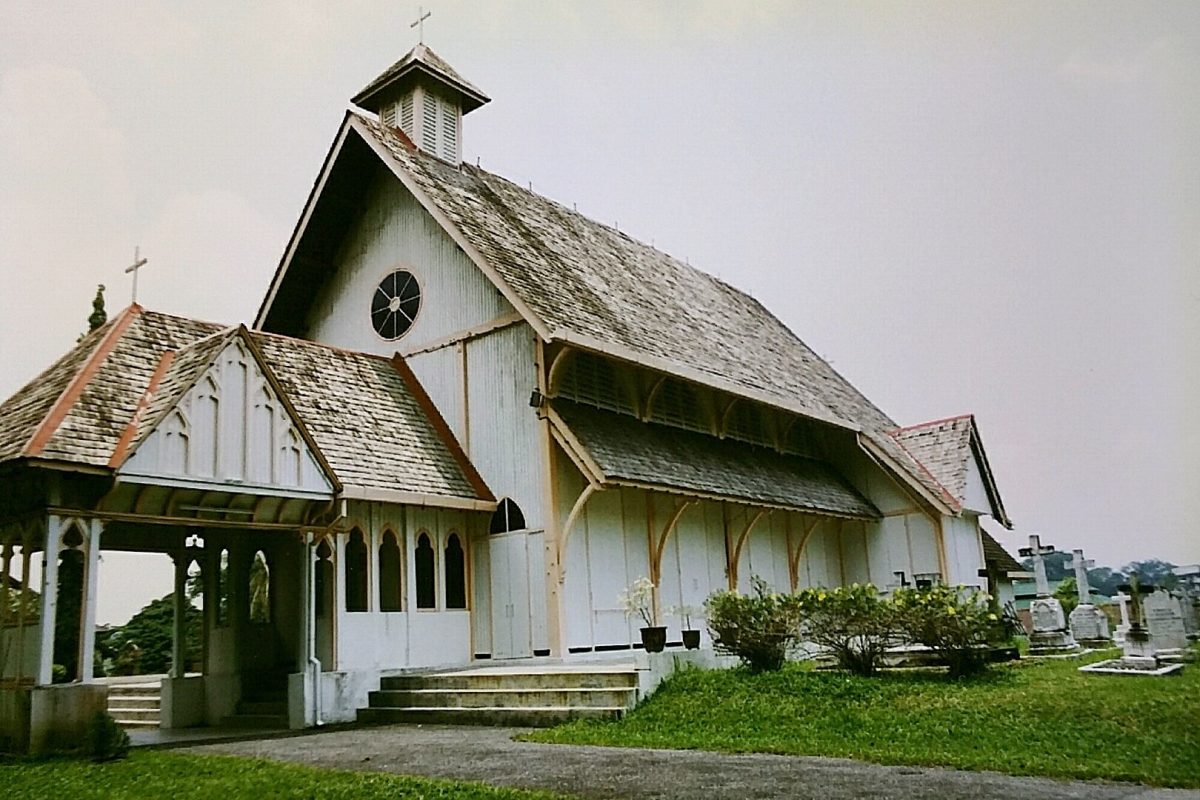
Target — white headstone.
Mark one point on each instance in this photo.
(1122, 600)
(1164, 618)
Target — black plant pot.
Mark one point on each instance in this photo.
(691, 640)
(654, 639)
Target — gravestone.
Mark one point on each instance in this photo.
(1164, 619)
(1050, 635)
(1191, 615)
(1122, 601)
(1089, 625)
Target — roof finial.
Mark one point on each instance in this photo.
(422, 15)
(137, 264)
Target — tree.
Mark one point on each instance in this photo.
(1155, 572)
(150, 634)
(99, 316)
(1067, 593)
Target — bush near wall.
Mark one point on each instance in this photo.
(856, 625)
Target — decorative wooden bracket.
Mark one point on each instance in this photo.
(735, 555)
(661, 544)
(794, 556)
(569, 525)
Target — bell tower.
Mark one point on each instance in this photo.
(426, 98)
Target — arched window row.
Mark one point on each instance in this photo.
(391, 571)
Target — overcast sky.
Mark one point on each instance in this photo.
(978, 207)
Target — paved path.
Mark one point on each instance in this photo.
(490, 755)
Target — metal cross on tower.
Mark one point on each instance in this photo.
(422, 15)
(1036, 551)
(137, 264)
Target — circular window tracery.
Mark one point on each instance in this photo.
(395, 304)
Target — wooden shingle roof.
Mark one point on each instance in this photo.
(947, 447)
(648, 455)
(100, 400)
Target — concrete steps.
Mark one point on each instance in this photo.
(490, 696)
(258, 714)
(135, 706)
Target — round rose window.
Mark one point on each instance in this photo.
(395, 304)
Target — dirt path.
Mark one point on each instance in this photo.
(491, 756)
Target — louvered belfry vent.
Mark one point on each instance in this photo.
(427, 99)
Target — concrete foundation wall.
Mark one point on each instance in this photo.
(47, 719)
(182, 702)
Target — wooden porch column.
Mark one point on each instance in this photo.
(51, 543)
(91, 577)
(6, 567)
(179, 626)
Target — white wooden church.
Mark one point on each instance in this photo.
(465, 418)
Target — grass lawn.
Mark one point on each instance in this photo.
(1030, 718)
(157, 774)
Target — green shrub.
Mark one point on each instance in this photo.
(955, 622)
(853, 622)
(106, 740)
(759, 628)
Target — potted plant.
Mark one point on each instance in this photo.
(691, 636)
(638, 599)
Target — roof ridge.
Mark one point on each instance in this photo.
(930, 424)
(70, 395)
(319, 345)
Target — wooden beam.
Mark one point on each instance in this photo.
(648, 411)
(466, 334)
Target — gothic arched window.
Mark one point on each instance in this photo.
(357, 565)
(507, 517)
(426, 586)
(391, 584)
(456, 573)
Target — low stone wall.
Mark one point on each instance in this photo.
(654, 668)
(46, 719)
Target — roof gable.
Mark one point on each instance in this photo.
(952, 450)
(212, 415)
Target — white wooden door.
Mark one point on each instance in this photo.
(510, 596)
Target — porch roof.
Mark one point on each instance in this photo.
(628, 451)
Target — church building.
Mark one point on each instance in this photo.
(465, 418)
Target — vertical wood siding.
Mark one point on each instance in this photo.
(394, 232)
(229, 428)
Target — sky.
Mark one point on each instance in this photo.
(985, 207)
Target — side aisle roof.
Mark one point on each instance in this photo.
(364, 414)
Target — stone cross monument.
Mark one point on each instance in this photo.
(1089, 625)
(1050, 635)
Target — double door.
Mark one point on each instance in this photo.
(509, 562)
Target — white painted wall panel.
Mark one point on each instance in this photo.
(607, 568)
(394, 232)
(440, 373)
(922, 542)
(230, 427)
(964, 550)
(504, 438)
(536, 549)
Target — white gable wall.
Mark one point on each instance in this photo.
(394, 232)
(976, 494)
(229, 428)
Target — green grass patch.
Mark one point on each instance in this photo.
(156, 774)
(1030, 718)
